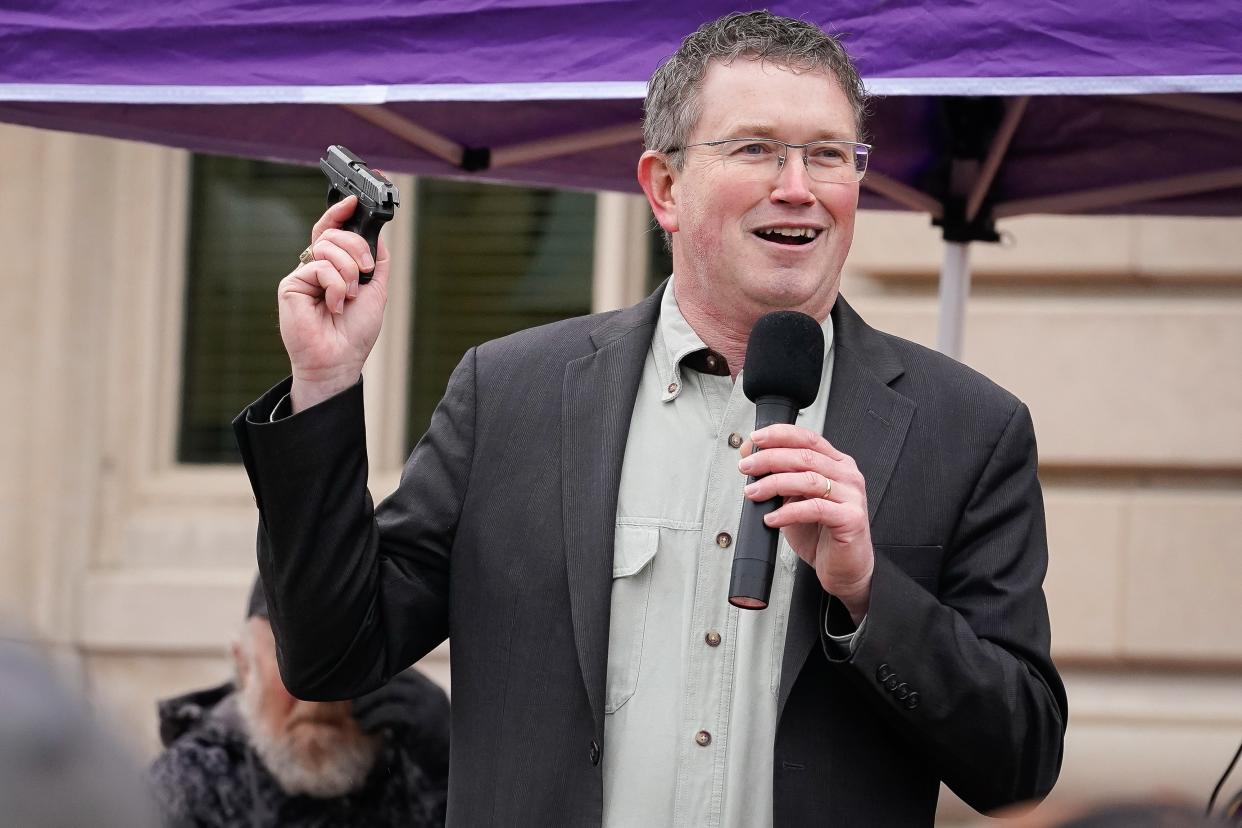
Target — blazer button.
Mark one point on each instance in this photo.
(912, 701)
(902, 690)
(595, 753)
(882, 672)
(891, 681)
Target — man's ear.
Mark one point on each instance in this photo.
(657, 179)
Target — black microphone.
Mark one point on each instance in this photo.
(784, 359)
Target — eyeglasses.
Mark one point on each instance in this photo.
(829, 162)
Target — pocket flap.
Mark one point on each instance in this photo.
(633, 549)
(921, 563)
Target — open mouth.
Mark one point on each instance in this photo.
(788, 235)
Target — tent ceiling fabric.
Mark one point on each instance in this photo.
(985, 109)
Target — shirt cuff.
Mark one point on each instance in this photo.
(281, 410)
(843, 646)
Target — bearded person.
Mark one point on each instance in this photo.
(250, 754)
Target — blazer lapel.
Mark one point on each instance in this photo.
(597, 403)
(867, 420)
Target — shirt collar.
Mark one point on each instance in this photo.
(675, 340)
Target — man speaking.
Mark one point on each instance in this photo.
(569, 517)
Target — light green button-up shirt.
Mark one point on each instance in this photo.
(690, 711)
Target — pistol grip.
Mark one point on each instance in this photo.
(367, 223)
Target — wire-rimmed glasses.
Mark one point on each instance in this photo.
(829, 162)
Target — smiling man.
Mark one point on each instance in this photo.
(568, 516)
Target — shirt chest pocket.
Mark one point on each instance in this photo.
(633, 559)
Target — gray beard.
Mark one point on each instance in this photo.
(344, 767)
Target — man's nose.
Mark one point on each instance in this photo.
(793, 182)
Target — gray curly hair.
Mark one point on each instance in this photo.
(672, 107)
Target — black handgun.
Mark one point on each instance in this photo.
(377, 196)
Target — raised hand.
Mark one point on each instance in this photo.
(328, 321)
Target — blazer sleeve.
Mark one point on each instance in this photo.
(355, 594)
(967, 675)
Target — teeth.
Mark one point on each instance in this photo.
(791, 232)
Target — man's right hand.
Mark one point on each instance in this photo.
(328, 321)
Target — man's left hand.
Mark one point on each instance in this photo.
(824, 522)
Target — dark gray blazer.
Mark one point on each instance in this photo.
(501, 534)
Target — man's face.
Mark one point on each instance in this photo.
(722, 255)
(315, 748)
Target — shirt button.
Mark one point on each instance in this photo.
(703, 738)
(723, 540)
(735, 440)
(711, 362)
(672, 388)
(712, 639)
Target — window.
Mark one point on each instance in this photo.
(248, 222)
(489, 261)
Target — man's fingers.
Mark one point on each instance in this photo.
(353, 244)
(785, 459)
(342, 260)
(794, 436)
(334, 217)
(773, 461)
(318, 280)
(817, 510)
(808, 484)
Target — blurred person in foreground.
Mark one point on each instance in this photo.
(1156, 812)
(569, 516)
(252, 755)
(59, 766)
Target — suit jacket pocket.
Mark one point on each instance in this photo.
(922, 563)
(632, 561)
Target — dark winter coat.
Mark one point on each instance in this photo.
(210, 776)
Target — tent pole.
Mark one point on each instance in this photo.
(902, 194)
(1109, 197)
(954, 289)
(565, 145)
(425, 139)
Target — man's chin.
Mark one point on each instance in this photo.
(320, 760)
(316, 739)
(792, 291)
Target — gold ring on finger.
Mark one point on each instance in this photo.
(827, 488)
(307, 256)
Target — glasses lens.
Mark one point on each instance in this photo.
(862, 154)
(836, 162)
(752, 157)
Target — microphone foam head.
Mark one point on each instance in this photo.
(784, 358)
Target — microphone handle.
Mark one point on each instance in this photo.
(754, 555)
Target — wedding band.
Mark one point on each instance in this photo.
(306, 256)
(828, 488)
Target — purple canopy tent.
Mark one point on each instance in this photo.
(987, 110)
